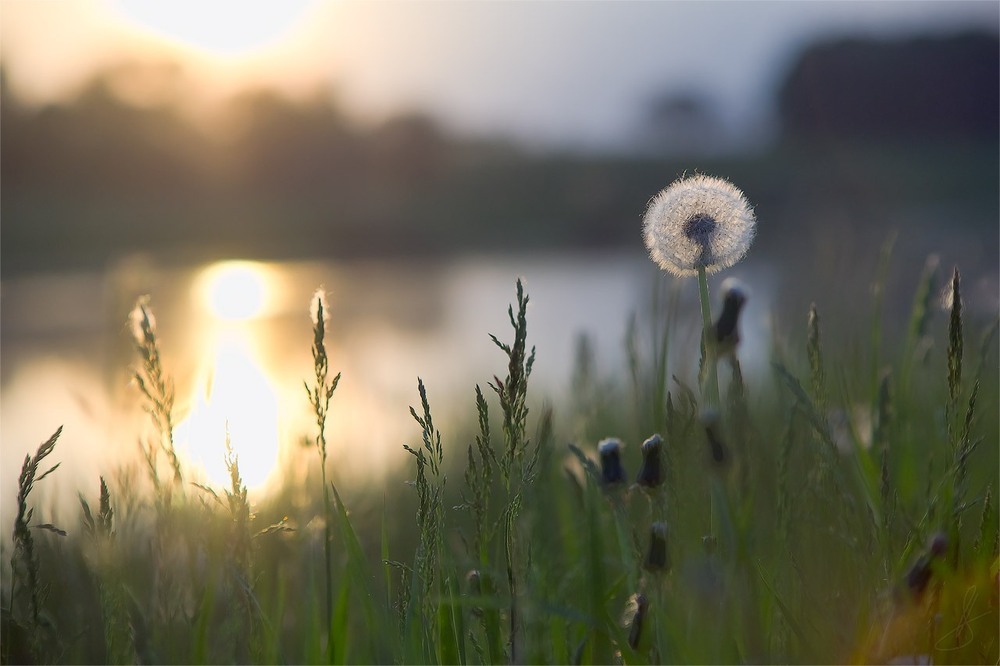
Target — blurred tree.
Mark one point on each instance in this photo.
(683, 123)
(930, 87)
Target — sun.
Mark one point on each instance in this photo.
(221, 27)
(234, 290)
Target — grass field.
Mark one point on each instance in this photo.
(843, 511)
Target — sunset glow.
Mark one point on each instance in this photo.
(218, 28)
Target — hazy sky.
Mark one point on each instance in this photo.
(575, 73)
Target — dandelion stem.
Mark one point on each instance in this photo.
(710, 386)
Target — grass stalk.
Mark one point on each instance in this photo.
(319, 397)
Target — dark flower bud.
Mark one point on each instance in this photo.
(640, 606)
(658, 557)
(651, 472)
(612, 473)
(726, 330)
(919, 575)
(709, 542)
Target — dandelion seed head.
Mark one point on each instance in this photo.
(317, 305)
(698, 222)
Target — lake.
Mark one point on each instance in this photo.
(236, 339)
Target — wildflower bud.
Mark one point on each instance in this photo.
(709, 542)
(717, 449)
(725, 331)
(640, 605)
(658, 557)
(651, 472)
(612, 473)
(919, 575)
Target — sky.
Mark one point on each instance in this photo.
(554, 73)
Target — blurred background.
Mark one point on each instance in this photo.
(414, 159)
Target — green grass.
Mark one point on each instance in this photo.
(840, 510)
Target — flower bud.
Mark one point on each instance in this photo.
(658, 556)
(641, 605)
(651, 472)
(612, 473)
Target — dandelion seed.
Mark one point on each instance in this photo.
(612, 473)
(651, 473)
(658, 556)
(698, 222)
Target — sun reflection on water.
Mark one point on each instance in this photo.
(233, 390)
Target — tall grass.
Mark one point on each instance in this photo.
(821, 514)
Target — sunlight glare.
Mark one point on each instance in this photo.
(234, 291)
(237, 393)
(221, 27)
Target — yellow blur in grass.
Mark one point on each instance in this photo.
(955, 621)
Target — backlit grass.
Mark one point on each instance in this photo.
(842, 509)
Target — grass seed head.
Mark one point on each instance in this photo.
(319, 308)
(698, 222)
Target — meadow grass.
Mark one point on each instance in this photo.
(840, 510)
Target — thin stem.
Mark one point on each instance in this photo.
(326, 553)
(710, 386)
(710, 389)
